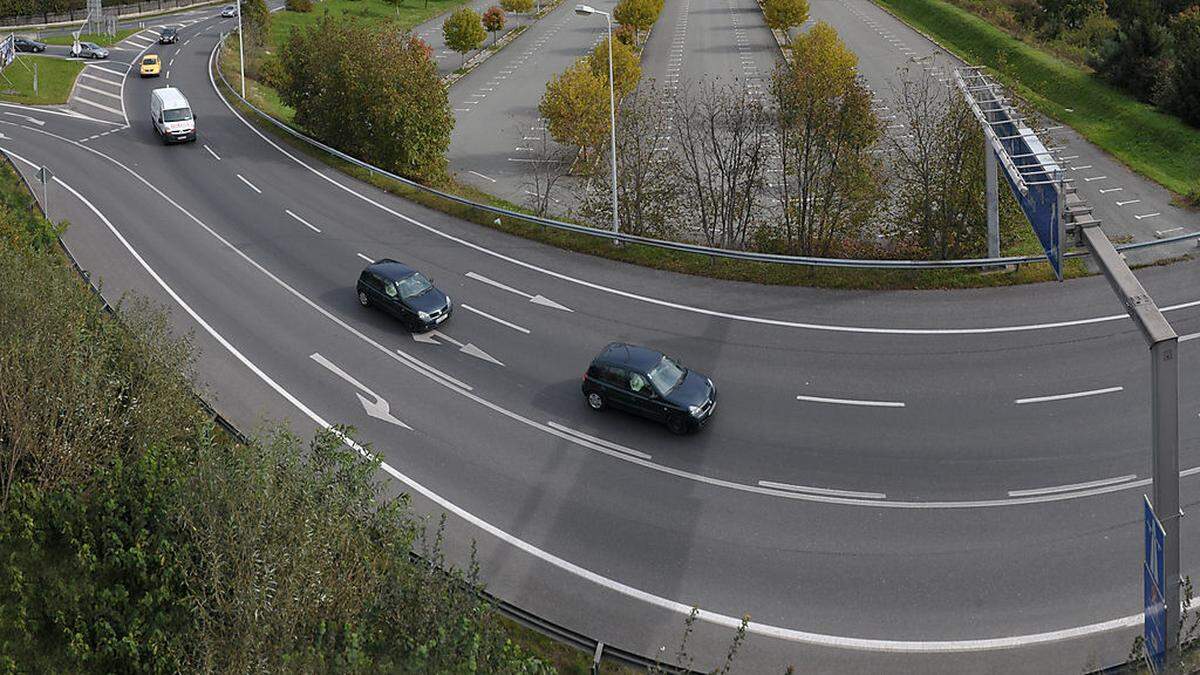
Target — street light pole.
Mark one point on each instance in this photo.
(584, 10)
(241, 50)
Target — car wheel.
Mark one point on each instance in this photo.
(677, 424)
(363, 299)
(595, 401)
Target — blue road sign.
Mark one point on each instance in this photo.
(1153, 602)
(1038, 196)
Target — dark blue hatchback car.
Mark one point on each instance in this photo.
(404, 293)
(649, 383)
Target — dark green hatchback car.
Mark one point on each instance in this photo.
(404, 293)
(649, 383)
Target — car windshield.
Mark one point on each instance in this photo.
(150, 60)
(666, 375)
(177, 115)
(413, 285)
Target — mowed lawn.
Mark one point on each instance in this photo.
(1152, 143)
(55, 79)
(411, 13)
(100, 39)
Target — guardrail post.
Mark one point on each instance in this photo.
(599, 654)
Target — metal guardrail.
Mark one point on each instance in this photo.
(810, 261)
(133, 10)
(598, 649)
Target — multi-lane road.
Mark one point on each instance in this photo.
(933, 482)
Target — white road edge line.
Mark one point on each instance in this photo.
(497, 319)
(248, 183)
(304, 222)
(1063, 397)
(851, 401)
(599, 441)
(822, 491)
(1073, 487)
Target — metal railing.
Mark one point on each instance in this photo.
(80, 13)
(810, 261)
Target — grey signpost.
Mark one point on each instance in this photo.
(1164, 420)
(44, 176)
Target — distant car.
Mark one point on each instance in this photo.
(647, 382)
(24, 44)
(151, 65)
(167, 36)
(90, 50)
(229, 11)
(404, 293)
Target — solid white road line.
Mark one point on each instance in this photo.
(248, 183)
(105, 80)
(80, 85)
(822, 491)
(305, 222)
(101, 106)
(850, 401)
(1073, 487)
(107, 70)
(482, 176)
(683, 609)
(598, 441)
(211, 152)
(365, 258)
(1189, 336)
(1062, 397)
(497, 319)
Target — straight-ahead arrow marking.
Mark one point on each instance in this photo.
(27, 118)
(377, 408)
(468, 349)
(535, 299)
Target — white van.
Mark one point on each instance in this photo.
(172, 116)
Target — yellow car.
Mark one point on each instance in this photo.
(151, 65)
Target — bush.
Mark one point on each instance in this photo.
(370, 92)
(299, 5)
(785, 14)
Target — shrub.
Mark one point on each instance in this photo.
(299, 5)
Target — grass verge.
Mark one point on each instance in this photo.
(1019, 239)
(370, 11)
(99, 38)
(1156, 145)
(55, 77)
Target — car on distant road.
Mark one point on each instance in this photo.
(24, 44)
(229, 11)
(404, 293)
(151, 65)
(90, 50)
(167, 36)
(646, 382)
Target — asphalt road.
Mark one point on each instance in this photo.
(890, 477)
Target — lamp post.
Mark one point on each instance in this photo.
(585, 10)
(241, 50)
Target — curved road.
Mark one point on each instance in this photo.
(893, 480)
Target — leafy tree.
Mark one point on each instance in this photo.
(627, 70)
(575, 106)
(463, 31)
(1136, 58)
(256, 21)
(640, 14)
(1181, 85)
(493, 21)
(1062, 15)
(831, 183)
(785, 14)
(370, 92)
(517, 7)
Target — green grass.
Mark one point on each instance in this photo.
(55, 79)
(1017, 236)
(411, 13)
(100, 39)
(1156, 145)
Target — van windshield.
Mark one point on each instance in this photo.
(177, 115)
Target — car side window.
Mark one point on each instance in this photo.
(390, 289)
(638, 383)
(611, 375)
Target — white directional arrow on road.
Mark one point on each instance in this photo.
(27, 118)
(376, 407)
(469, 349)
(535, 299)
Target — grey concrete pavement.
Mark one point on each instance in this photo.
(448, 60)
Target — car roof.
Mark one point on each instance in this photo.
(633, 356)
(171, 98)
(150, 57)
(391, 269)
